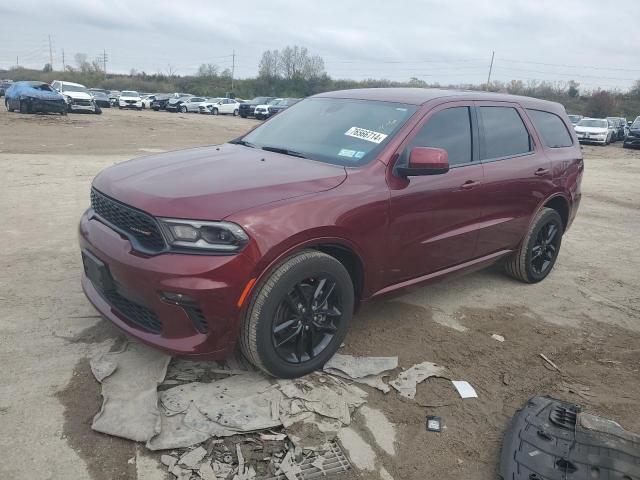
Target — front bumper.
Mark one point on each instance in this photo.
(53, 106)
(124, 104)
(632, 142)
(214, 283)
(75, 107)
(602, 139)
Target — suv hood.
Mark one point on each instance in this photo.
(592, 129)
(211, 183)
(137, 99)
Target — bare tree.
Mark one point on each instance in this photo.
(82, 61)
(600, 105)
(208, 70)
(269, 63)
(635, 90)
(295, 62)
(170, 71)
(313, 67)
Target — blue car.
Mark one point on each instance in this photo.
(32, 97)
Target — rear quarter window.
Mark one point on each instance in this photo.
(552, 129)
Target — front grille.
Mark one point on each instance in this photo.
(132, 222)
(141, 316)
(130, 101)
(82, 101)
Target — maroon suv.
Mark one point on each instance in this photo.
(274, 239)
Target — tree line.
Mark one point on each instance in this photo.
(293, 71)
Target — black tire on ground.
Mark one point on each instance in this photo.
(25, 107)
(183, 109)
(235, 112)
(243, 116)
(521, 264)
(214, 111)
(98, 110)
(257, 338)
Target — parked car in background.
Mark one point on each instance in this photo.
(575, 119)
(32, 97)
(261, 112)
(191, 104)
(147, 100)
(78, 97)
(594, 130)
(4, 85)
(174, 103)
(247, 109)
(632, 140)
(160, 102)
(130, 99)
(113, 97)
(225, 106)
(281, 104)
(101, 98)
(272, 241)
(618, 127)
(205, 107)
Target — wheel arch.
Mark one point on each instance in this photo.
(561, 205)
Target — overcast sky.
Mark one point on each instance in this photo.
(592, 41)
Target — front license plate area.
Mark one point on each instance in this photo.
(96, 270)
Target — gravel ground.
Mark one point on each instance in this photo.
(585, 316)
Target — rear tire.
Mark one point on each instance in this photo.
(538, 253)
(308, 299)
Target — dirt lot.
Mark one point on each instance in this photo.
(585, 316)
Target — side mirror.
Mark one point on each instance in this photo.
(425, 161)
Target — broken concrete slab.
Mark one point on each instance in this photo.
(366, 370)
(130, 398)
(407, 381)
(192, 458)
(382, 430)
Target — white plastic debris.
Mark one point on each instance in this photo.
(464, 389)
(497, 337)
(407, 381)
(130, 398)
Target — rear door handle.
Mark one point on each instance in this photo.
(469, 184)
(541, 172)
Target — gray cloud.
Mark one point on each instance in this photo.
(435, 40)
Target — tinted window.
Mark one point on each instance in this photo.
(552, 129)
(504, 133)
(450, 130)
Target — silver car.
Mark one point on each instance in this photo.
(192, 104)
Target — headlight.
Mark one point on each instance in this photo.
(211, 236)
(69, 99)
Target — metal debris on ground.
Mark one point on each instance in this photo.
(407, 381)
(367, 370)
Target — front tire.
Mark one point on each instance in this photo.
(214, 111)
(235, 113)
(539, 250)
(25, 107)
(183, 109)
(298, 316)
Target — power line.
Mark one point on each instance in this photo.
(595, 67)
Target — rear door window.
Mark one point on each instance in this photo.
(503, 133)
(449, 129)
(552, 129)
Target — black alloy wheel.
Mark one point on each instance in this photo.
(307, 319)
(545, 248)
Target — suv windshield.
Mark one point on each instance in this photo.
(636, 123)
(73, 88)
(593, 123)
(260, 100)
(331, 130)
(129, 93)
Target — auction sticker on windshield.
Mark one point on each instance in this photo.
(368, 135)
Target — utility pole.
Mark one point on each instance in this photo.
(104, 61)
(50, 54)
(233, 67)
(490, 68)
(63, 65)
(17, 64)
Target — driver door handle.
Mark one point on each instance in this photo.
(469, 184)
(541, 172)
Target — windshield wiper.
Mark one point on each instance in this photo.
(293, 153)
(243, 143)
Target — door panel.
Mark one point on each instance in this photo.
(513, 187)
(434, 219)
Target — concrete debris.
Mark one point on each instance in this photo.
(168, 460)
(130, 398)
(193, 458)
(289, 468)
(407, 381)
(384, 474)
(367, 370)
(497, 337)
(359, 451)
(382, 430)
(206, 472)
(273, 437)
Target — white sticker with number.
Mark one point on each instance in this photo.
(368, 135)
